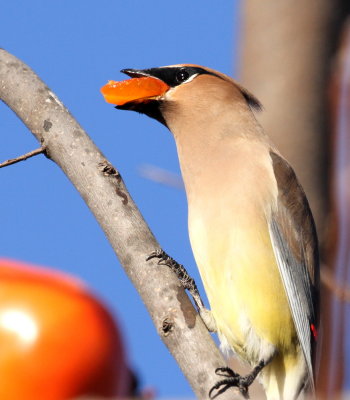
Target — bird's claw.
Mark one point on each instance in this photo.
(159, 253)
(226, 372)
(232, 379)
(186, 281)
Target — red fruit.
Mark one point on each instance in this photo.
(57, 341)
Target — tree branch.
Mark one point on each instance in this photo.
(23, 157)
(103, 190)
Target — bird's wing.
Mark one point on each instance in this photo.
(294, 241)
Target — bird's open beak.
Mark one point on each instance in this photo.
(140, 88)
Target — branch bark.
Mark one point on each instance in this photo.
(103, 190)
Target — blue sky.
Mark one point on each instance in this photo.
(75, 47)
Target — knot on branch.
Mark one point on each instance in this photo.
(167, 326)
(108, 170)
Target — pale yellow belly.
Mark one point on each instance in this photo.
(243, 284)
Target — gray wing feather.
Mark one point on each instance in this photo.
(294, 240)
(298, 291)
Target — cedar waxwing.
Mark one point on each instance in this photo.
(250, 225)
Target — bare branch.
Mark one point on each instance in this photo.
(103, 190)
(32, 153)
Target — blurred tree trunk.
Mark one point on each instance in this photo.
(286, 49)
(338, 245)
(286, 56)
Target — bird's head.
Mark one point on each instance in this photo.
(165, 93)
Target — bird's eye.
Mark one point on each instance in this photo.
(182, 75)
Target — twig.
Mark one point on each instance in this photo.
(32, 153)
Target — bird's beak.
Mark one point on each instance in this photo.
(139, 89)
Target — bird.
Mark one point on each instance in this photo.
(251, 229)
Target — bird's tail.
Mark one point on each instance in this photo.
(286, 378)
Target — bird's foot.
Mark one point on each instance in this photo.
(232, 379)
(188, 283)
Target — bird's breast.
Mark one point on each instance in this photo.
(228, 226)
